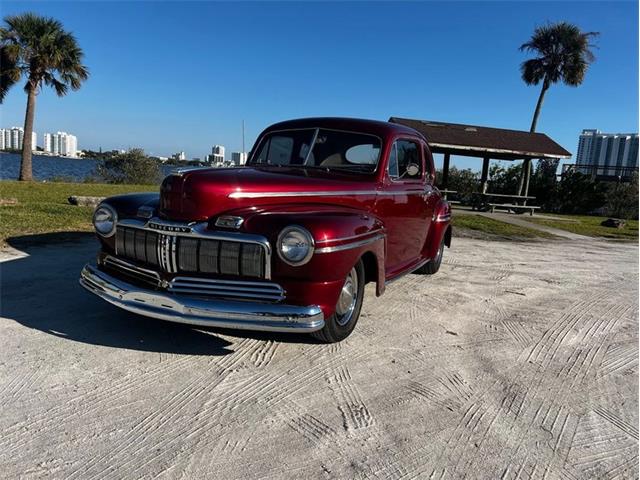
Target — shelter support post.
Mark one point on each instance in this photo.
(485, 175)
(527, 177)
(445, 171)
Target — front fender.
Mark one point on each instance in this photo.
(335, 230)
(342, 236)
(126, 206)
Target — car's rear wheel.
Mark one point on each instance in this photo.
(340, 325)
(433, 265)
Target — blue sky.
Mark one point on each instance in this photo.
(182, 76)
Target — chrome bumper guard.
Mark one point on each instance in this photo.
(196, 311)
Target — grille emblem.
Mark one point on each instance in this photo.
(169, 228)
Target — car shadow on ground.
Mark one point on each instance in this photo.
(41, 291)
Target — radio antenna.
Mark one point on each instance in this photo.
(243, 136)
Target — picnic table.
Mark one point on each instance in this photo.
(445, 194)
(490, 201)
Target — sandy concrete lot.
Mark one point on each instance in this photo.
(518, 360)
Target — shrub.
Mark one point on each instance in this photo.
(622, 199)
(579, 194)
(133, 166)
(463, 181)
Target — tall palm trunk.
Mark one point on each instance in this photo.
(526, 165)
(26, 171)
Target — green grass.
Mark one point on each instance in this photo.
(589, 226)
(43, 207)
(490, 226)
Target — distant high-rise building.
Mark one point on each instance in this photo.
(17, 136)
(238, 158)
(48, 143)
(61, 143)
(13, 138)
(217, 151)
(217, 156)
(6, 135)
(607, 154)
(180, 156)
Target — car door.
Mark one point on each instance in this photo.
(403, 204)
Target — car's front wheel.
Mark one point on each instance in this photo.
(340, 325)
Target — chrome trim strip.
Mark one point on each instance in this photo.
(344, 239)
(174, 256)
(300, 194)
(180, 171)
(313, 144)
(118, 263)
(348, 246)
(247, 315)
(321, 193)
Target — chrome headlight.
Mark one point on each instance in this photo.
(105, 219)
(295, 245)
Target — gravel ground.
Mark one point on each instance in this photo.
(518, 360)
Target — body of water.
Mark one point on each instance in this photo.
(48, 168)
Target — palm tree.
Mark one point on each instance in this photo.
(562, 54)
(39, 49)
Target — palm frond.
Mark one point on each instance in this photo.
(532, 71)
(10, 74)
(44, 52)
(563, 54)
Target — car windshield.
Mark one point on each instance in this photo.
(319, 148)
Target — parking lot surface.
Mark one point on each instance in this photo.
(517, 360)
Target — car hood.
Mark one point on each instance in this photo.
(200, 194)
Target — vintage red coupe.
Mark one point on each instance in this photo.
(286, 243)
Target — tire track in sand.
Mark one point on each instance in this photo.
(355, 413)
(87, 404)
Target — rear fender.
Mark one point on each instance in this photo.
(440, 229)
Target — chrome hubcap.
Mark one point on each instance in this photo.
(348, 298)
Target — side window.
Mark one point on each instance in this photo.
(280, 150)
(405, 153)
(393, 161)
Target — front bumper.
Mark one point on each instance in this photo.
(273, 317)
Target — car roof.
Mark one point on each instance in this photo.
(373, 127)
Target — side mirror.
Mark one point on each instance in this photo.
(412, 170)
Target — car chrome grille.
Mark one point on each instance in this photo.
(182, 254)
(227, 288)
(201, 287)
